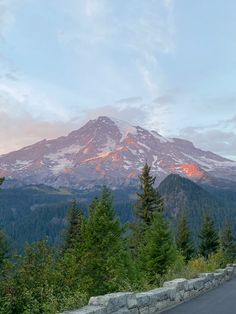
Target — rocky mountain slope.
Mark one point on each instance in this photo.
(110, 151)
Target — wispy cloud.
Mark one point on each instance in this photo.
(167, 98)
(28, 115)
(6, 16)
(132, 113)
(150, 83)
(128, 38)
(94, 8)
(135, 111)
(20, 95)
(8, 9)
(130, 100)
(219, 137)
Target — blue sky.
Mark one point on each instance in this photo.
(168, 65)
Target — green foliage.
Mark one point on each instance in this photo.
(183, 239)
(149, 200)
(179, 269)
(96, 258)
(3, 241)
(32, 213)
(201, 264)
(40, 282)
(3, 247)
(40, 211)
(209, 238)
(1, 180)
(151, 242)
(105, 263)
(227, 243)
(196, 199)
(36, 284)
(74, 230)
(157, 251)
(197, 265)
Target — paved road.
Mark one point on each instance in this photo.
(221, 300)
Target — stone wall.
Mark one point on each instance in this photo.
(155, 301)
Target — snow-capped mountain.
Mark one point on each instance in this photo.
(110, 151)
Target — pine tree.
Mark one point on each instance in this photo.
(74, 231)
(183, 239)
(208, 237)
(157, 252)
(105, 263)
(149, 199)
(1, 180)
(3, 247)
(3, 242)
(227, 243)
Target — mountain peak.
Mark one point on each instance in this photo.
(121, 124)
(107, 123)
(110, 151)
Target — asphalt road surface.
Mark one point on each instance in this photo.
(221, 300)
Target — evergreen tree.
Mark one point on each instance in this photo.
(208, 237)
(149, 199)
(3, 241)
(74, 231)
(183, 239)
(105, 263)
(227, 243)
(1, 180)
(3, 247)
(157, 252)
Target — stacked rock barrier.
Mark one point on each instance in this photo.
(154, 301)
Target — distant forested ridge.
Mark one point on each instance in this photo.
(35, 212)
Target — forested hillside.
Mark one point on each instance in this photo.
(183, 195)
(99, 254)
(32, 213)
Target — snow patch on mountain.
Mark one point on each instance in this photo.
(69, 150)
(161, 138)
(124, 128)
(61, 166)
(108, 150)
(109, 146)
(22, 164)
(209, 163)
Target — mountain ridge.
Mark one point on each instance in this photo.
(110, 151)
(183, 195)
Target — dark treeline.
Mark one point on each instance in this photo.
(100, 255)
(31, 213)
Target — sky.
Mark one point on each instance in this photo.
(167, 65)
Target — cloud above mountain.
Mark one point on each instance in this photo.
(219, 137)
(150, 62)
